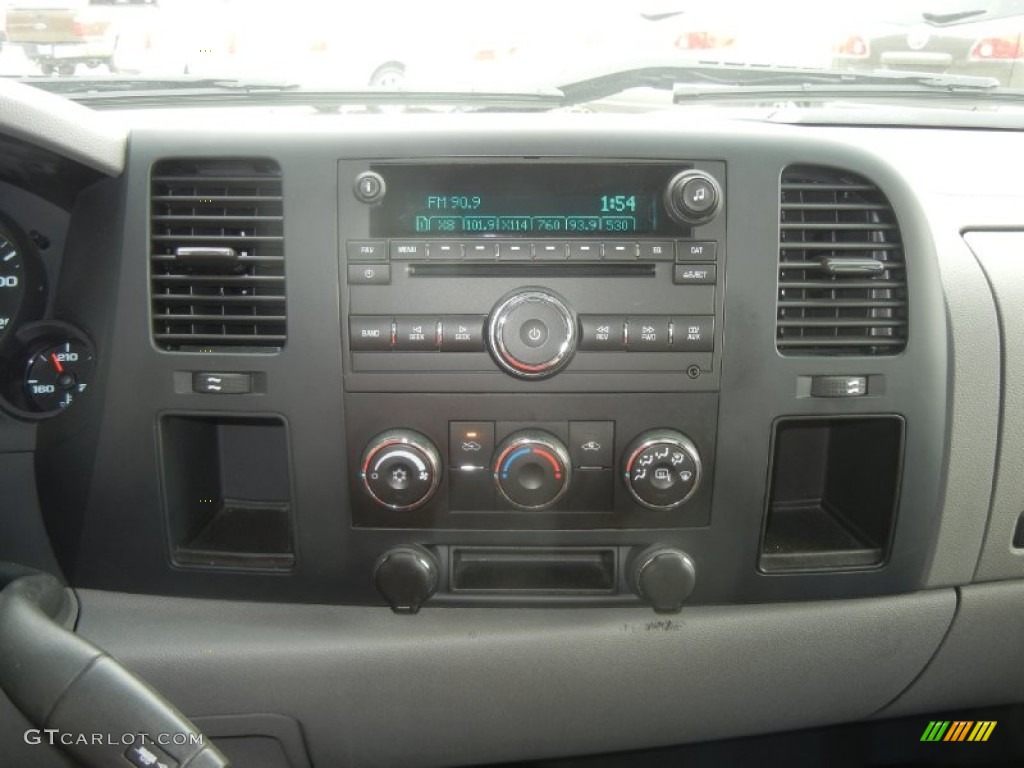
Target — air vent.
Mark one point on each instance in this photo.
(842, 277)
(217, 255)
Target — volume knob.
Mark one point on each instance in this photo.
(532, 334)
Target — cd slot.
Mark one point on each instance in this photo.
(598, 269)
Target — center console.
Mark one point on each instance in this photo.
(472, 288)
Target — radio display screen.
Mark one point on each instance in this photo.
(523, 200)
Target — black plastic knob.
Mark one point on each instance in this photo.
(369, 187)
(692, 197)
(662, 469)
(406, 577)
(401, 469)
(664, 578)
(532, 469)
(532, 334)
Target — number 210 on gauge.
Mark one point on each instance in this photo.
(618, 203)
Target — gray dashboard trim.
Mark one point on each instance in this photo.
(973, 411)
(469, 686)
(978, 664)
(63, 127)
(1000, 256)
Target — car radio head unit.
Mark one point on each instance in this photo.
(533, 199)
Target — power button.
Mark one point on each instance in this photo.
(369, 187)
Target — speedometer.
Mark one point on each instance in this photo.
(21, 284)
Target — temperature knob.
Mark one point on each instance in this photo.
(532, 334)
(662, 469)
(401, 469)
(532, 469)
(692, 197)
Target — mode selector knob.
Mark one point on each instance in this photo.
(662, 469)
(532, 334)
(532, 469)
(401, 469)
(692, 197)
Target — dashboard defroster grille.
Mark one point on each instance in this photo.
(217, 255)
(842, 276)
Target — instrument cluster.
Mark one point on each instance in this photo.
(45, 364)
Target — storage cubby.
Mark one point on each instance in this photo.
(227, 491)
(833, 493)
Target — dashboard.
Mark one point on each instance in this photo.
(488, 418)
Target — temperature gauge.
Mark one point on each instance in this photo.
(58, 374)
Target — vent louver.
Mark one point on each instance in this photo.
(842, 277)
(217, 255)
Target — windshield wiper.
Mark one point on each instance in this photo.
(951, 18)
(129, 92)
(746, 82)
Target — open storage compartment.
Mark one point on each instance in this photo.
(227, 491)
(833, 493)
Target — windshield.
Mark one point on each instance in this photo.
(472, 46)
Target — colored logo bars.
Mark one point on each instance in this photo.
(958, 730)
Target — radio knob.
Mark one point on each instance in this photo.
(401, 469)
(662, 469)
(532, 334)
(532, 469)
(692, 197)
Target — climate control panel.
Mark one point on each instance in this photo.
(641, 464)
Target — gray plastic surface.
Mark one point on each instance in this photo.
(469, 686)
(979, 663)
(973, 407)
(1000, 256)
(65, 128)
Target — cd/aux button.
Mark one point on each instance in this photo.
(693, 334)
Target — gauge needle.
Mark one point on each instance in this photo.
(56, 362)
